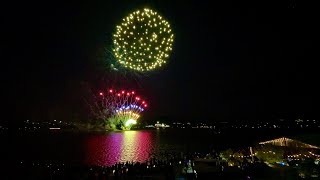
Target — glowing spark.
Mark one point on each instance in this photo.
(130, 122)
(147, 44)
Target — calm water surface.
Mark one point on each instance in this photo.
(109, 148)
(119, 147)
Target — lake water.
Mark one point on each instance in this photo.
(111, 147)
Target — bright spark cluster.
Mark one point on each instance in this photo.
(130, 122)
(143, 41)
(130, 114)
(122, 106)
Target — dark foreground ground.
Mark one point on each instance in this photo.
(161, 170)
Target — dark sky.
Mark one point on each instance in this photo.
(232, 60)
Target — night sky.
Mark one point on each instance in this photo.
(231, 60)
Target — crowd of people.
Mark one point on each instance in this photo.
(159, 166)
(164, 166)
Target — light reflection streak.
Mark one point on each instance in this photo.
(116, 147)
